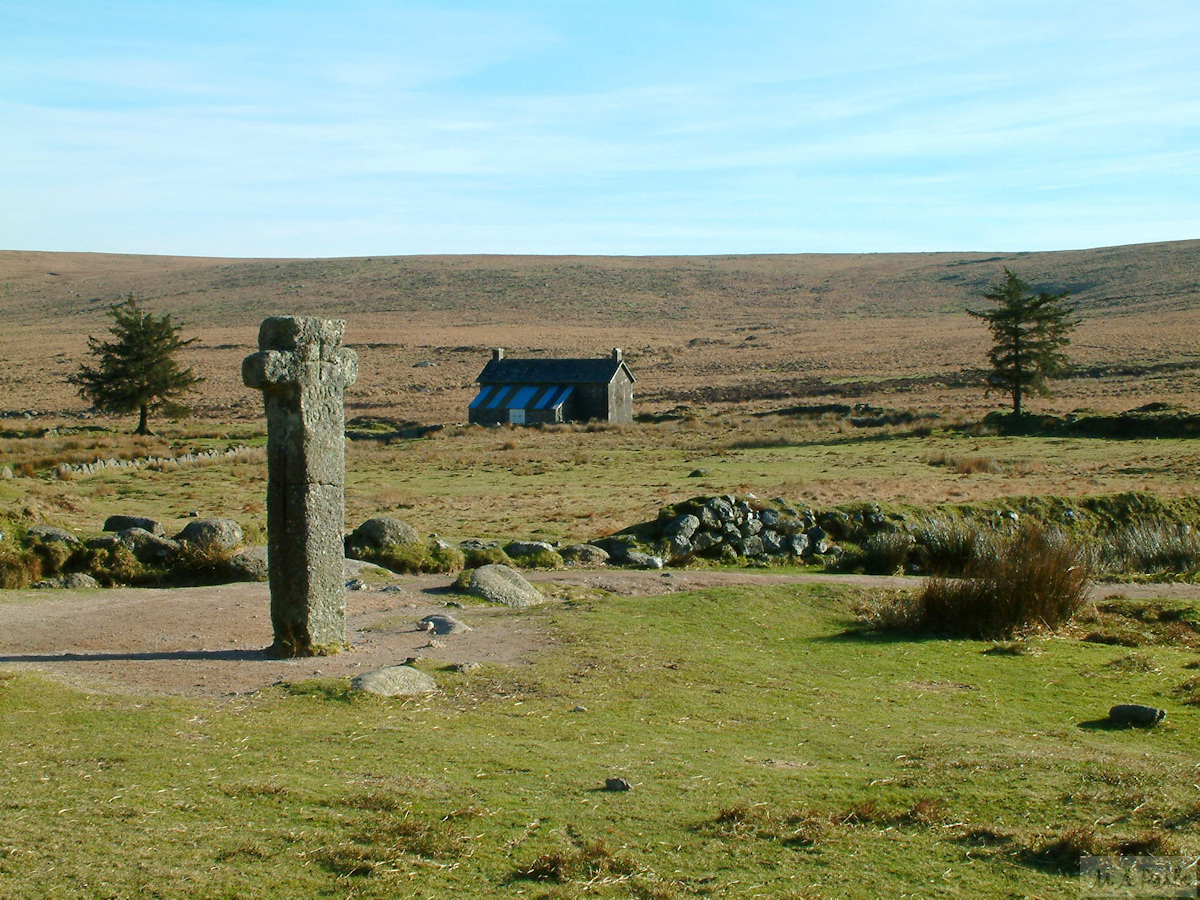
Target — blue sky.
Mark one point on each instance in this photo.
(260, 128)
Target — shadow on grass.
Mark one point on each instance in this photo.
(1107, 724)
(219, 655)
(864, 634)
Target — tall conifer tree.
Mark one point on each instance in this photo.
(136, 371)
(1029, 334)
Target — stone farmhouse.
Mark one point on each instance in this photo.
(533, 391)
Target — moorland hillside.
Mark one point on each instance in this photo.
(698, 329)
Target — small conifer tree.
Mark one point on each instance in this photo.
(1029, 333)
(136, 371)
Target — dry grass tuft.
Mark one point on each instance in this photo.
(1035, 579)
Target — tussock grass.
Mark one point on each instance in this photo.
(1148, 547)
(585, 862)
(1031, 580)
(808, 827)
(1063, 852)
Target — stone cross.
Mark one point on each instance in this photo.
(302, 370)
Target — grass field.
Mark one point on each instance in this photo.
(578, 483)
(770, 753)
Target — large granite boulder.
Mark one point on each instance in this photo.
(49, 534)
(147, 547)
(501, 584)
(379, 534)
(213, 535)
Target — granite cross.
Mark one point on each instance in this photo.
(303, 370)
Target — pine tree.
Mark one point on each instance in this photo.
(137, 371)
(1029, 333)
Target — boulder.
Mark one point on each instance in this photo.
(1136, 715)
(501, 584)
(394, 681)
(441, 623)
(79, 580)
(818, 540)
(527, 548)
(704, 541)
(124, 523)
(380, 533)
(682, 527)
(477, 544)
(797, 544)
(716, 512)
(751, 546)
(679, 547)
(146, 546)
(772, 542)
(643, 560)
(584, 555)
(250, 565)
(212, 534)
(751, 527)
(48, 534)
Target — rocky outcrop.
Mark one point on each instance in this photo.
(719, 527)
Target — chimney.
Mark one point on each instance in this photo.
(616, 354)
(498, 354)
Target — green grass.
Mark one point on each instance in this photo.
(739, 715)
(573, 484)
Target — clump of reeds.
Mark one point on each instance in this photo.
(1033, 579)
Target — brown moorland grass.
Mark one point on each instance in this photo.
(750, 331)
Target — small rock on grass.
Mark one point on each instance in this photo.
(617, 784)
(439, 623)
(1136, 715)
(395, 681)
(501, 584)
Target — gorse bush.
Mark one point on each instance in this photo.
(1033, 579)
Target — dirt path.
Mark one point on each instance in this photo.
(207, 642)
